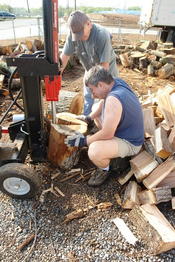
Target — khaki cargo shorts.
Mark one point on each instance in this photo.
(125, 148)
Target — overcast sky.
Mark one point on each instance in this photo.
(97, 3)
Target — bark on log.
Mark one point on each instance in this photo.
(149, 147)
(156, 64)
(153, 227)
(150, 70)
(130, 198)
(166, 71)
(160, 173)
(168, 181)
(155, 195)
(170, 59)
(143, 62)
(60, 154)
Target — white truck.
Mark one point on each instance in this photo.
(159, 13)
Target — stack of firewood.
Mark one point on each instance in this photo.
(152, 174)
(149, 57)
(26, 47)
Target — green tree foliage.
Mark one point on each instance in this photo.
(20, 12)
(62, 11)
(36, 11)
(85, 9)
(6, 8)
(135, 8)
(89, 10)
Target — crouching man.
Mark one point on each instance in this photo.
(119, 119)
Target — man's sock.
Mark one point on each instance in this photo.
(106, 168)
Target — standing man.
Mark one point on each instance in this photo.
(119, 119)
(92, 45)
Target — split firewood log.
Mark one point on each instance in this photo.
(154, 229)
(2, 81)
(5, 50)
(170, 59)
(166, 71)
(29, 45)
(165, 100)
(125, 60)
(130, 198)
(60, 154)
(38, 44)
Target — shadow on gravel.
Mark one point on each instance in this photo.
(93, 237)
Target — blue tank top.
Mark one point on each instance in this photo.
(131, 126)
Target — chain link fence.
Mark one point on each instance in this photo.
(21, 28)
(27, 28)
(33, 27)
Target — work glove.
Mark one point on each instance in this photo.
(84, 118)
(77, 140)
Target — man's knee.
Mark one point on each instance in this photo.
(95, 151)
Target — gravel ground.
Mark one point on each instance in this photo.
(91, 238)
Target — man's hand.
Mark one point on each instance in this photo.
(77, 140)
(84, 118)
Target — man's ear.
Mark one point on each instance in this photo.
(100, 84)
(89, 23)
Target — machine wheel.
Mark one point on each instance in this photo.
(19, 181)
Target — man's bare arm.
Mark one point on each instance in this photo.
(112, 116)
(97, 112)
(64, 59)
(105, 65)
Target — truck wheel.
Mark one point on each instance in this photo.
(173, 39)
(163, 35)
(19, 181)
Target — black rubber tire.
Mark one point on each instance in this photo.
(22, 171)
(163, 35)
(173, 39)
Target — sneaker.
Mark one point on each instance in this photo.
(98, 177)
(120, 165)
